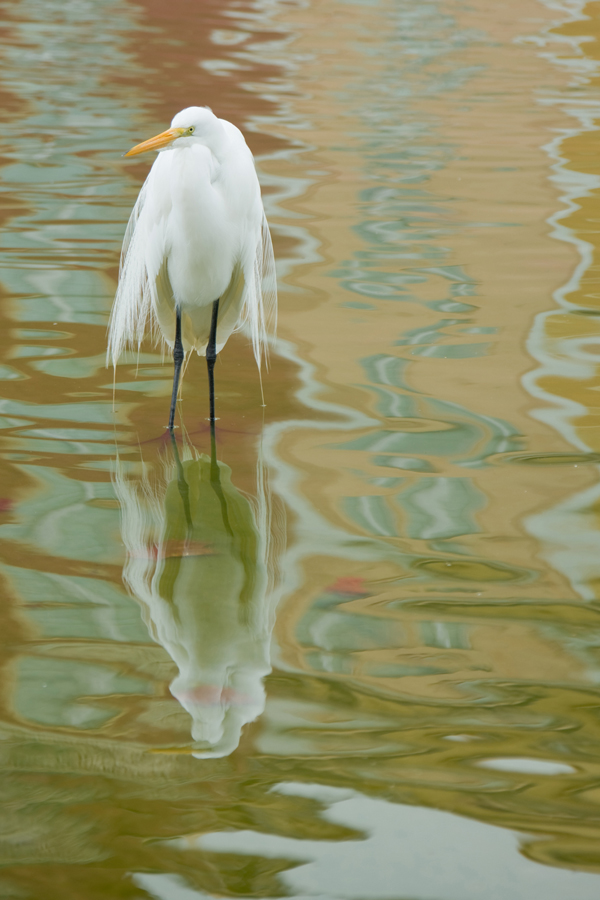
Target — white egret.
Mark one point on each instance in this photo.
(197, 260)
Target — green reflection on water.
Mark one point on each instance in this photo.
(49, 691)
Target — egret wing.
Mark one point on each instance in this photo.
(142, 257)
(268, 279)
(259, 313)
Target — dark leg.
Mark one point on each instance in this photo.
(177, 361)
(211, 355)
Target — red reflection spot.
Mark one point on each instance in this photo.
(174, 549)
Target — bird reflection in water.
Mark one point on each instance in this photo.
(198, 562)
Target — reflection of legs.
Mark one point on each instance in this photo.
(182, 484)
(211, 355)
(177, 361)
(215, 478)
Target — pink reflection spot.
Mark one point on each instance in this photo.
(347, 585)
(215, 695)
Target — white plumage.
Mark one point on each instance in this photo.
(197, 234)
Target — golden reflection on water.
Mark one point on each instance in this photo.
(430, 683)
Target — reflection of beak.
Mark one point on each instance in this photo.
(158, 142)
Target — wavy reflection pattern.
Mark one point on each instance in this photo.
(427, 630)
(67, 202)
(431, 663)
(564, 340)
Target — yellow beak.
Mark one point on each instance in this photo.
(158, 142)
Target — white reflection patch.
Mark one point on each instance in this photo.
(406, 851)
(530, 766)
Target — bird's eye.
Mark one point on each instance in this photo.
(191, 129)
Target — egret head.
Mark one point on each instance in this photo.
(196, 124)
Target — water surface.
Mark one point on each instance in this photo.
(355, 653)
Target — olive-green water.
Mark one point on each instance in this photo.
(356, 655)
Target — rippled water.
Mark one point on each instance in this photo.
(355, 654)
